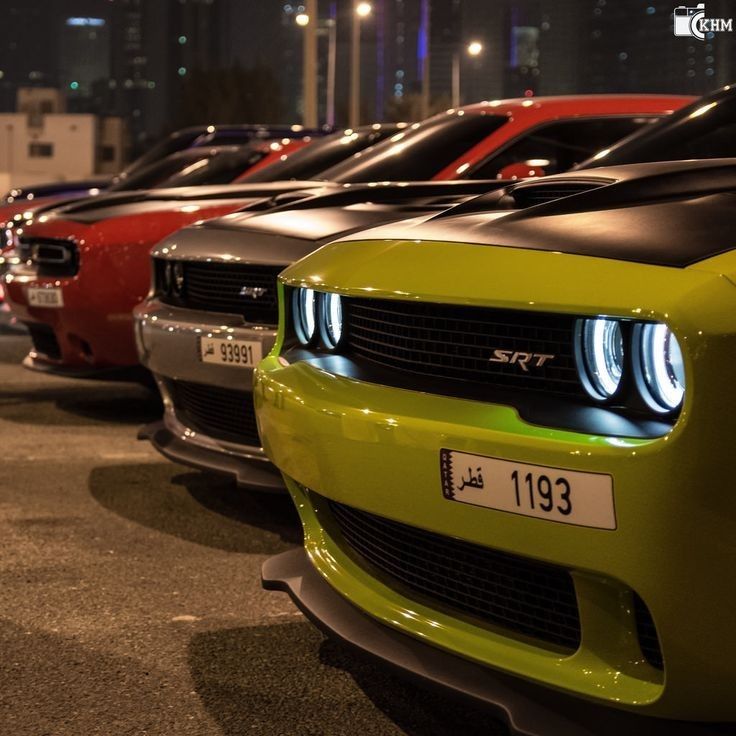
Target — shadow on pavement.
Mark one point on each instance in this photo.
(52, 684)
(287, 679)
(14, 346)
(82, 403)
(203, 508)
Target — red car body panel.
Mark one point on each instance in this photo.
(23, 210)
(94, 328)
(276, 150)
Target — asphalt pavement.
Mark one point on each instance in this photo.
(130, 600)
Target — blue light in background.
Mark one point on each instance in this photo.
(95, 22)
(422, 40)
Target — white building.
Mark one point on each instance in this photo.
(42, 143)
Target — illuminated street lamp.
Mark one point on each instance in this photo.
(362, 10)
(328, 27)
(474, 48)
(309, 63)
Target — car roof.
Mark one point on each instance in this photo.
(576, 103)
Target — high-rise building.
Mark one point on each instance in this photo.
(135, 58)
(630, 47)
(28, 48)
(84, 56)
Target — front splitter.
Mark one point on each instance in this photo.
(257, 475)
(528, 709)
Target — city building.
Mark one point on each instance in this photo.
(41, 142)
(137, 59)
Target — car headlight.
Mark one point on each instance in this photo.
(168, 278)
(600, 356)
(177, 275)
(304, 310)
(659, 366)
(331, 321)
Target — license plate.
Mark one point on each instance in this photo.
(566, 496)
(236, 353)
(52, 297)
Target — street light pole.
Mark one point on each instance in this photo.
(425, 34)
(456, 79)
(309, 70)
(331, 70)
(474, 48)
(361, 10)
(354, 116)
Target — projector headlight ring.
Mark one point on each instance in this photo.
(599, 351)
(304, 313)
(331, 320)
(168, 279)
(659, 366)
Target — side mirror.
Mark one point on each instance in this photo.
(520, 170)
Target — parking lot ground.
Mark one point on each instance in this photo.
(130, 600)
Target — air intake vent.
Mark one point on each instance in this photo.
(530, 195)
(222, 413)
(519, 594)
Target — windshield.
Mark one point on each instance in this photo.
(220, 169)
(157, 173)
(420, 152)
(704, 129)
(559, 145)
(310, 162)
(171, 144)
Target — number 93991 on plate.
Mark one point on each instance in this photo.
(235, 353)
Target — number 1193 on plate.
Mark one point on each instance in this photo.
(555, 494)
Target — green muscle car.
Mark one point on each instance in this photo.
(508, 430)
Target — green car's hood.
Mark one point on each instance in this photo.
(670, 214)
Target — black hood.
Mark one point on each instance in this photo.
(666, 214)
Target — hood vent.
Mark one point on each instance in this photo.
(530, 195)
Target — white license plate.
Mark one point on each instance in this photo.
(52, 297)
(236, 353)
(566, 496)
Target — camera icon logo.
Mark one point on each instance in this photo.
(687, 21)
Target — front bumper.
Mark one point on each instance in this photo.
(90, 334)
(529, 710)
(378, 449)
(168, 344)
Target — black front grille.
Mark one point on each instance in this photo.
(44, 340)
(51, 256)
(459, 342)
(647, 632)
(234, 288)
(518, 594)
(220, 413)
